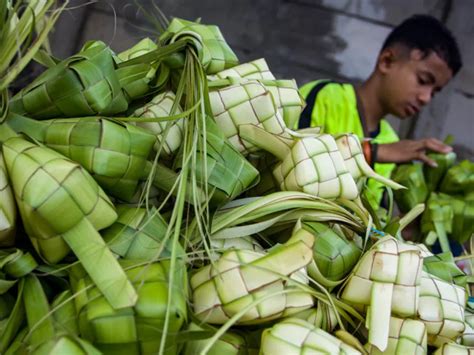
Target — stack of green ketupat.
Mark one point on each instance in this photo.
(141, 230)
(448, 192)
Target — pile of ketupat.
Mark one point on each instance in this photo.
(164, 206)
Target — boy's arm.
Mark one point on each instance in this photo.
(407, 150)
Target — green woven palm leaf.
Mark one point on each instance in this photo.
(44, 337)
(296, 336)
(21, 21)
(453, 348)
(264, 162)
(459, 179)
(437, 219)
(7, 207)
(137, 329)
(139, 234)
(45, 183)
(114, 153)
(406, 336)
(137, 79)
(66, 345)
(334, 255)
(161, 106)
(288, 100)
(214, 53)
(245, 102)
(389, 290)
(462, 218)
(256, 69)
(351, 150)
(434, 175)
(416, 192)
(231, 343)
(224, 168)
(323, 316)
(443, 266)
(220, 246)
(441, 308)
(85, 84)
(240, 277)
(309, 163)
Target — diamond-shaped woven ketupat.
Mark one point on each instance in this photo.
(62, 207)
(139, 234)
(406, 336)
(85, 84)
(296, 336)
(240, 277)
(441, 309)
(137, 329)
(245, 103)
(160, 106)
(214, 53)
(115, 153)
(315, 166)
(386, 279)
(228, 172)
(334, 255)
(257, 69)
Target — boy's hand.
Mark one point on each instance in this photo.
(407, 150)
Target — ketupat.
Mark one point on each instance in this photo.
(459, 179)
(441, 308)
(42, 180)
(136, 329)
(115, 153)
(214, 53)
(410, 175)
(434, 175)
(83, 85)
(241, 277)
(406, 336)
(387, 281)
(139, 234)
(248, 102)
(309, 163)
(334, 255)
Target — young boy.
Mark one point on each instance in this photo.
(418, 58)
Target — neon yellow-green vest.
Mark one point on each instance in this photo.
(335, 111)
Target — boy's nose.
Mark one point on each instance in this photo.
(424, 96)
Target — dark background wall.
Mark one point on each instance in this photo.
(301, 39)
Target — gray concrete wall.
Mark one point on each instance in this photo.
(301, 39)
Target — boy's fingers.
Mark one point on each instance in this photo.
(424, 158)
(436, 145)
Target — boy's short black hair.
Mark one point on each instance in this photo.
(427, 34)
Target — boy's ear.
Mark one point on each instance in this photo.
(385, 60)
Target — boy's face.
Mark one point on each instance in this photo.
(410, 80)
